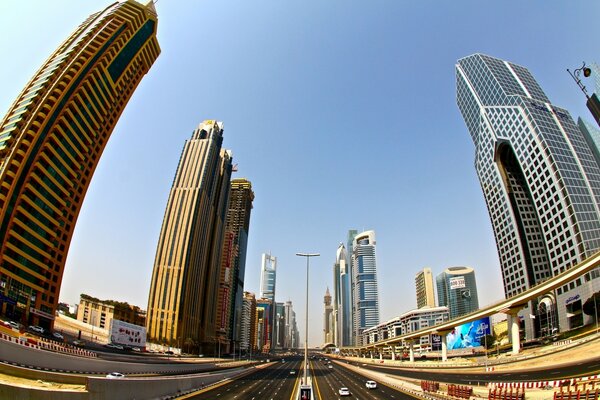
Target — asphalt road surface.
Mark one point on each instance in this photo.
(274, 381)
(327, 382)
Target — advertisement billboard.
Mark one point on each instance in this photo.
(469, 335)
(127, 334)
(457, 282)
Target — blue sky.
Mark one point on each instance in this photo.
(342, 113)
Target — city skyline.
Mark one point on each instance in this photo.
(438, 217)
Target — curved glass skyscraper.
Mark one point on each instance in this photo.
(540, 179)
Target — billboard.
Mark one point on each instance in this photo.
(457, 282)
(469, 335)
(127, 334)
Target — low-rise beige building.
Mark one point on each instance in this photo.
(100, 313)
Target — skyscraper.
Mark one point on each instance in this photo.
(364, 283)
(51, 140)
(268, 279)
(342, 298)
(182, 303)
(268, 276)
(264, 324)
(233, 260)
(457, 290)
(289, 324)
(327, 318)
(347, 322)
(424, 288)
(248, 324)
(540, 180)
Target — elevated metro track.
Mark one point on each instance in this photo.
(509, 306)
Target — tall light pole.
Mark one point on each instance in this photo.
(308, 256)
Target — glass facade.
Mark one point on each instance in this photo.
(51, 140)
(364, 284)
(540, 179)
(457, 290)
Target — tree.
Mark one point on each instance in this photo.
(488, 341)
(592, 305)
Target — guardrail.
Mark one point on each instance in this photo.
(577, 395)
(460, 391)
(499, 393)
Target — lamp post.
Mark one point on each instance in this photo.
(308, 256)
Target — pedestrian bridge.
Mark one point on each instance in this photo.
(510, 306)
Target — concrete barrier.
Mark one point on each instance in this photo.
(34, 374)
(17, 392)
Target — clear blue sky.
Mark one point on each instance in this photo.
(342, 113)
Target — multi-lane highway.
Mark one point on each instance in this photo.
(272, 381)
(329, 377)
(275, 381)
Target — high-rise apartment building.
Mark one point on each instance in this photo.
(424, 288)
(540, 180)
(327, 318)
(457, 290)
(264, 324)
(342, 298)
(182, 304)
(51, 140)
(233, 261)
(248, 324)
(364, 283)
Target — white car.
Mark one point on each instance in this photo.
(292, 372)
(115, 375)
(37, 329)
(371, 385)
(57, 336)
(344, 391)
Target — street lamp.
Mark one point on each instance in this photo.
(308, 256)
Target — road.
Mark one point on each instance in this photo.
(273, 381)
(327, 382)
(533, 374)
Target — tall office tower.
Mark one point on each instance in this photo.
(295, 344)
(233, 261)
(288, 312)
(457, 290)
(248, 324)
(424, 287)
(540, 180)
(268, 276)
(364, 282)
(592, 136)
(348, 337)
(593, 101)
(268, 279)
(342, 299)
(51, 140)
(327, 318)
(279, 326)
(182, 303)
